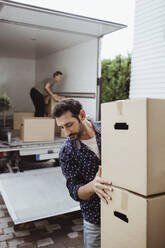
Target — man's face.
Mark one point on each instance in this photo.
(72, 126)
(58, 78)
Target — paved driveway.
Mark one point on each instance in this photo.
(63, 231)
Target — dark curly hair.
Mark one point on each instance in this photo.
(68, 105)
(57, 73)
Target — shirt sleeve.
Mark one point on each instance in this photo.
(71, 172)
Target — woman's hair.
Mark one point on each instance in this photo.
(68, 105)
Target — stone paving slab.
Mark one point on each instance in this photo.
(64, 231)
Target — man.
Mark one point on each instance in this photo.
(79, 158)
(43, 89)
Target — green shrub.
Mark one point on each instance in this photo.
(116, 78)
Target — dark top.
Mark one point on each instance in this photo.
(79, 165)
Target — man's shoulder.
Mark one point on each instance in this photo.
(67, 147)
(48, 80)
(97, 125)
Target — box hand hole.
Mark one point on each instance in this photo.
(121, 126)
(121, 216)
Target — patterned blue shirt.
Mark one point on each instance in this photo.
(79, 165)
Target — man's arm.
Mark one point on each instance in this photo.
(78, 191)
(48, 89)
(99, 185)
(54, 96)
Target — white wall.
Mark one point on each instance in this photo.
(17, 78)
(79, 66)
(148, 59)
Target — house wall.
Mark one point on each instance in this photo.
(148, 58)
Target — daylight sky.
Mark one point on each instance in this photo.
(121, 11)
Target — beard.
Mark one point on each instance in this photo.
(77, 135)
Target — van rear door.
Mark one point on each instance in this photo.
(54, 39)
(36, 194)
(49, 39)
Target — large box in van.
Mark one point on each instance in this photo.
(133, 144)
(17, 118)
(37, 129)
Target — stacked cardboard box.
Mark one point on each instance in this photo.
(50, 104)
(133, 157)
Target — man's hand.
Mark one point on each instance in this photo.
(57, 98)
(102, 187)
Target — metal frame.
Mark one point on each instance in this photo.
(77, 94)
(32, 148)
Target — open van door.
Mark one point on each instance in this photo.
(34, 41)
(36, 194)
(53, 39)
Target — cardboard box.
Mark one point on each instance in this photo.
(133, 144)
(37, 129)
(49, 111)
(50, 103)
(49, 106)
(17, 118)
(133, 221)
